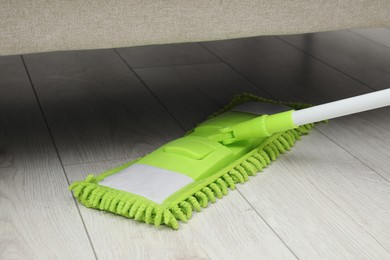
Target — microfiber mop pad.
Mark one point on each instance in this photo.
(185, 175)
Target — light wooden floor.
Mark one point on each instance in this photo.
(64, 115)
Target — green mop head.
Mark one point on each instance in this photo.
(186, 174)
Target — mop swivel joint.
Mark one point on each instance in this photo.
(254, 128)
(258, 127)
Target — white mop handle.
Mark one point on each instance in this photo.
(342, 107)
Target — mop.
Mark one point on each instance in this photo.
(186, 174)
